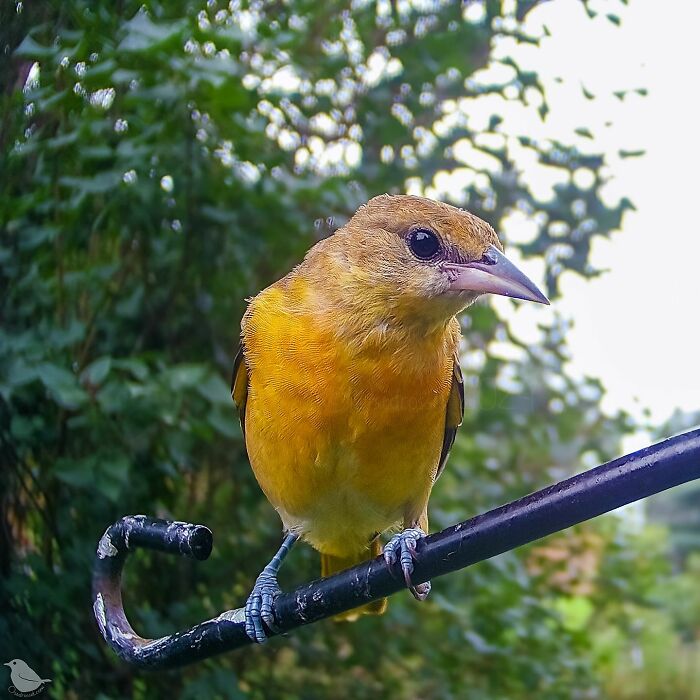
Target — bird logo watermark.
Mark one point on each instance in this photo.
(25, 682)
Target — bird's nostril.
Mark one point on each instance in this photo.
(488, 258)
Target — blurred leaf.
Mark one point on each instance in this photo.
(96, 372)
(102, 182)
(214, 389)
(631, 154)
(62, 385)
(142, 34)
(30, 48)
(75, 472)
(34, 236)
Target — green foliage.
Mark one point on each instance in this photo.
(158, 164)
(647, 640)
(678, 508)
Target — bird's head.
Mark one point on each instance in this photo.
(424, 258)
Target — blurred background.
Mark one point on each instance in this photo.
(161, 162)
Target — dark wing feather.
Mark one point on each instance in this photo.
(454, 413)
(239, 385)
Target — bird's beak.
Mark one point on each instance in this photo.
(7, 664)
(493, 274)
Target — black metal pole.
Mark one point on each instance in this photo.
(624, 480)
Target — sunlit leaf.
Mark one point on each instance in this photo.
(142, 34)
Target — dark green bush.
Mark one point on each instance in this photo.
(158, 164)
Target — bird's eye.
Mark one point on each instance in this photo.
(424, 244)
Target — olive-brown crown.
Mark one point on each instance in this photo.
(378, 249)
(464, 236)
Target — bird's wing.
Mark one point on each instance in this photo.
(239, 385)
(29, 675)
(454, 413)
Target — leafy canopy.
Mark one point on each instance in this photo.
(159, 163)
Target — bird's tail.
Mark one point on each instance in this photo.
(332, 565)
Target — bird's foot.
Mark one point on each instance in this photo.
(258, 607)
(402, 548)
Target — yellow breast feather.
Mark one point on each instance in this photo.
(332, 432)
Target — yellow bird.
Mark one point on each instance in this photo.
(348, 382)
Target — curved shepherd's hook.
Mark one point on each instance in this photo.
(624, 480)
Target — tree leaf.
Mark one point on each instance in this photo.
(100, 183)
(96, 372)
(142, 34)
(62, 385)
(30, 48)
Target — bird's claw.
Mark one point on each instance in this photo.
(258, 607)
(402, 548)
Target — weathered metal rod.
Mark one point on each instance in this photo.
(584, 496)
